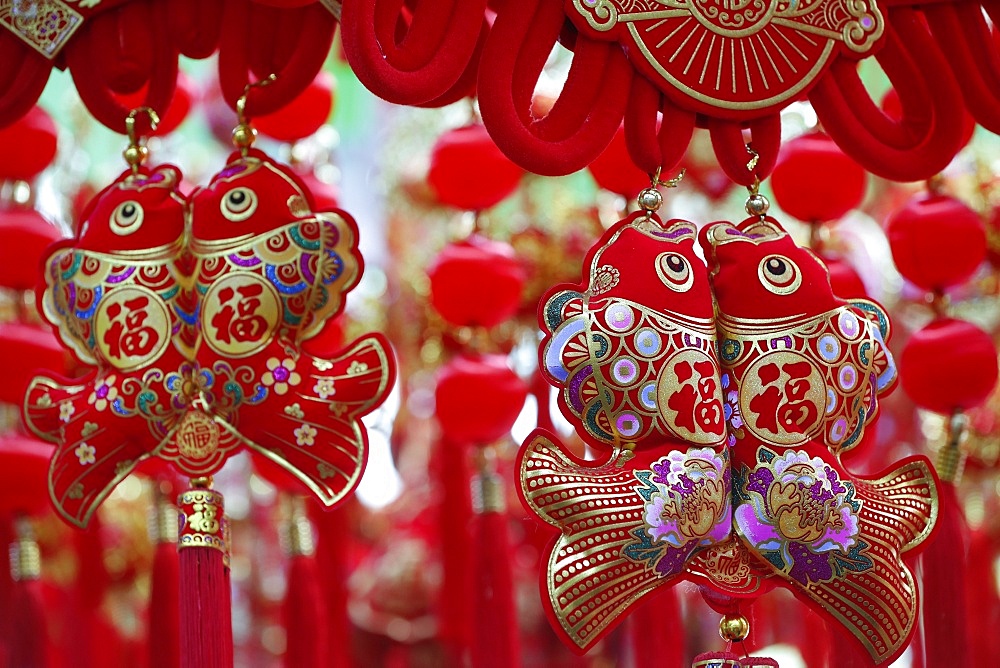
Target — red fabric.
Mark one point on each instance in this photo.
(29, 146)
(22, 78)
(948, 365)
(164, 608)
(27, 644)
(121, 52)
(468, 170)
(585, 116)
(259, 41)
(476, 282)
(496, 641)
(205, 624)
(304, 614)
(655, 140)
(195, 26)
(937, 241)
(732, 149)
(944, 581)
(929, 134)
(426, 61)
(815, 181)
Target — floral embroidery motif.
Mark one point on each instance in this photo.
(88, 429)
(66, 410)
(322, 365)
(280, 375)
(85, 453)
(305, 435)
(104, 394)
(324, 388)
(356, 368)
(687, 506)
(295, 411)
(797, 513)
(731, 410)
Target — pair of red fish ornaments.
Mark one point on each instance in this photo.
(720, 399)
(192, 311)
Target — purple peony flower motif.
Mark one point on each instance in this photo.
(673, 560)
(798, 506)
(808, 566)
(692, 501)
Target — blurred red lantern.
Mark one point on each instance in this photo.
(29, 145)
(304, 115)
(25, 350)
(614, 170)
(814, 180)
(468, 170)
(476, 282)
(24, 463)
(478, 398)
(844, 280)
(26, 235)
(936, 240)
(949, 365)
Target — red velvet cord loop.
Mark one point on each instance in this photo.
(587, 112)
(929, 134)
(124, 52)
(961, 30)
(196, 26)
(733, 152)
(292, 44)
(423, 63)
(22, 78)
(466, 84)
(657, 133)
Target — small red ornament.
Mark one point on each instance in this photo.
(29, 146)
(304, 115)
(476, 282)
(936, 241)
(614, 170)
(478, 398)
(468, 171)
(948, 365)
(815, 181)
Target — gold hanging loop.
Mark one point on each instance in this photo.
(135, 154)
(244, 134)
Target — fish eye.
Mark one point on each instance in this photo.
(675, 271)
(238, 204)
(779, 274)
(126, 218)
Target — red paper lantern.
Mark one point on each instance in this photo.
(25, 350)
(936, 241)
(478, 398)
(476, 282)
(468, 171)
(614, 170)
(948, 365)
(304, 115)
(29, 145)
(815, 181)
(26, 234)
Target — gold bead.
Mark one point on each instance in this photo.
(650, 199)
(135, 155)
(244, 136)
(757, 205)
(734, 628)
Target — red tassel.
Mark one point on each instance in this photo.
(943, 605)
(656, 631)
(495, 642)
(983, 601)
(455, 517)
(304, 612)
(206, 632)
(164, 613)
(331, 562)
(28, 643)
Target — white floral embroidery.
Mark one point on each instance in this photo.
(356, 368)
(66, 410)
(280, 374)
(305, 435)
(324, 388)
(322, 365)
(85, 453)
